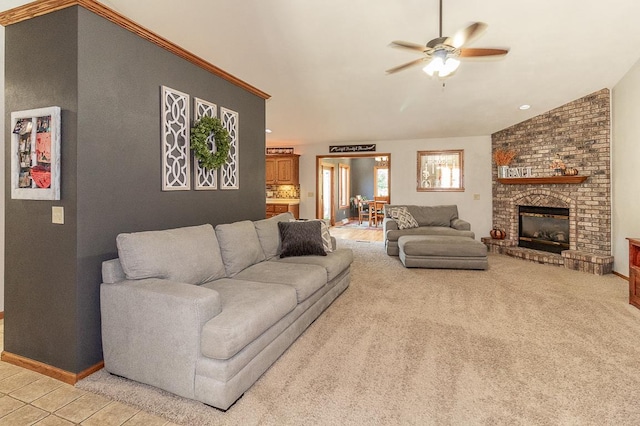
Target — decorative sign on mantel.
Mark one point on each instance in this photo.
(519, 172)
(352, 148)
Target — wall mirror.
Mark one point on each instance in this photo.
(441, 170)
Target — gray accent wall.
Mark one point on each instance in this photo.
(107, 81)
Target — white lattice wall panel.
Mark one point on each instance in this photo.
(205, 179)
(175, 140)
(229, 173)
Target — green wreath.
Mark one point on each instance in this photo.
(200, 132)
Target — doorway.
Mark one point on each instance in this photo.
(326, 194)
(369, 176)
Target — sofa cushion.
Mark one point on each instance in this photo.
(334, 263)
(248, 310)
(429, 215)
(269, 234)
(393, 235)
(403, 218)
(190, 255)
(301, 239)
(434, 215)
(239, 245)
(441, 245)
(305, 279)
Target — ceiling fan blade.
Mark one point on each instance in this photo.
(408, 65)
(466, 35)
(408, 45)
(475, 52)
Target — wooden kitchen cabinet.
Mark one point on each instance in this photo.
(276, 209)
(634, 272)
(282, 169)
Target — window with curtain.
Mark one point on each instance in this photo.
(344, 186)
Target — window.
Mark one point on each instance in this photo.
(381, 176)
(345, 185)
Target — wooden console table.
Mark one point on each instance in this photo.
(634, 272)
(542, 180)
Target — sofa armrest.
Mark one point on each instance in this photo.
(388, 224)
(460, 225)
(151, 330)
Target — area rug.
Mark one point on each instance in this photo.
(518, 344)
(363, 225)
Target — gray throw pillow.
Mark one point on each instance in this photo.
(326, 236)
(301, 239)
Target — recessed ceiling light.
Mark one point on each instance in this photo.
(267, 130)
(524, 107)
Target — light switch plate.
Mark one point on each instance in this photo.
(476, 196)
(57, 215)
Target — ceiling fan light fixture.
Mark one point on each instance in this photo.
(434, 66)
(441, 66)
(450, 66)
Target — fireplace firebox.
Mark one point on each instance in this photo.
(544, 228)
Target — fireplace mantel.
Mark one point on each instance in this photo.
(542, 180)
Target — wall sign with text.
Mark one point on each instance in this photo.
(352, 148)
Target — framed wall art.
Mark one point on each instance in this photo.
(176, 174)
(35, 154)
(441, 170)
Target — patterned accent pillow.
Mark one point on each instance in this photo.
(301, 238)
(403, 218)
(326, 236)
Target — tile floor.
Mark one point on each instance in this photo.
(29, 398)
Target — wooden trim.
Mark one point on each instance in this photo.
(542, 180)
(624, 277)
(43, 7)
(371, 154)
(2, 315)
(31, 10)
(48, 370)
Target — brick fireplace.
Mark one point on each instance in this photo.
(579, 132)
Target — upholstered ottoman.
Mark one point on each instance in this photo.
(442, 251)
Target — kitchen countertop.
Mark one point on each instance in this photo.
(283, 201)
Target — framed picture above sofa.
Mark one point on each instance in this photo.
(440, 170)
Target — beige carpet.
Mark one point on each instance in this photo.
(519, 344)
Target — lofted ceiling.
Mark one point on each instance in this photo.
(324, 62)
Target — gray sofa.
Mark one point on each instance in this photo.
(432, 220)
(203, 313)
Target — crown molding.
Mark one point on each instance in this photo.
(43, 7)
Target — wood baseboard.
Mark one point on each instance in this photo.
(2, 315)
(624, 277)
(48, 370)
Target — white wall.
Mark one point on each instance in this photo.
(2, 134)
(625, 162)
(477, 177)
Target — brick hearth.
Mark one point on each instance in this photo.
(580, 133)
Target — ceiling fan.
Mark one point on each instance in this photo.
(441, 54)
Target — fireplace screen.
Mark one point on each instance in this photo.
(544, 228)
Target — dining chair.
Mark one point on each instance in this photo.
(364, 211)
(379, 201)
